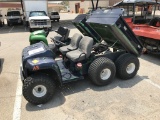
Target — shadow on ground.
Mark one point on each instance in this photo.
(22, 28)
(80, 86)
(1, 64)
(153, 58)
(13, 29)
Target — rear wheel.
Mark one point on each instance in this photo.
(38, 88)
(102, 71)
(127, 66)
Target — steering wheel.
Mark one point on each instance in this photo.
(57, 42)
(47, 31)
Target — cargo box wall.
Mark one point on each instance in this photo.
(34, 5)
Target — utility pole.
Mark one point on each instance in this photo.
(22, 6)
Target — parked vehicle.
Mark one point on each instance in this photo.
(41, 72)
(145, 26)
(55, 16)
(14, 17)
(1, 21)
(36, 14)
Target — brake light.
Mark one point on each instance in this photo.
(79, 65)
(60, 56)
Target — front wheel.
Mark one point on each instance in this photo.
(127, 66)
(38, 88)
(102, 71)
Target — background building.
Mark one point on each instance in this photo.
(112, 2)
(82, 6)
(5, 6)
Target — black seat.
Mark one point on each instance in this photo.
(63, 33)
(83, 51)
(73, 44)
(154, 21)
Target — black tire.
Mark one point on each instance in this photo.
(39, 82)
(21, 23)
(123, 62)
(30, 29)
(97, 67)
(8, 24)
(57, 20)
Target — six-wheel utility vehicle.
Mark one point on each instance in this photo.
(90, 55)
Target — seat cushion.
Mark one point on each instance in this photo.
(76, 55)
(65, 49)
(53, 47)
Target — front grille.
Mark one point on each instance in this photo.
(14, 20)
(40, 22)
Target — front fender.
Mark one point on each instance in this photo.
(43, 63)
(37, 38)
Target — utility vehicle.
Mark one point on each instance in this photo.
(90, 55)
(54, 16)
(36, 14)
(144, 25)
(14, 17)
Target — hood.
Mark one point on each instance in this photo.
(13, 17)
(39, 18)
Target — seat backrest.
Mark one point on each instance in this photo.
(67, 33)
(75, 39)
(85, 45)
(61, 31)
(64, 32)
(154, 21)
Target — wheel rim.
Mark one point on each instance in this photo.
(105, 74)
(39, 91)
(130, 68)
